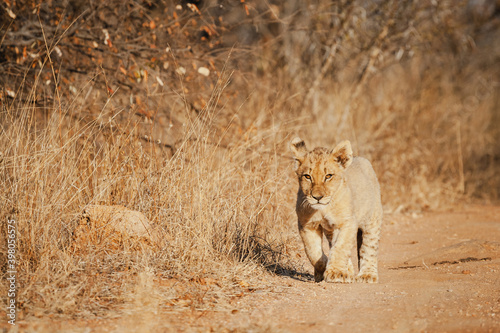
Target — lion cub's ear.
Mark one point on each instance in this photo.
(298, 148)
(342, 154)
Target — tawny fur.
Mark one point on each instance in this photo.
(339, 196)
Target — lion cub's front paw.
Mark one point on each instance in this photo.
(334, 275)
(368, 277)
(318, 276)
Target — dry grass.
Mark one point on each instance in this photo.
(213, 208)
(222, 196)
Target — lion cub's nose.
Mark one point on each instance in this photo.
(317, 197)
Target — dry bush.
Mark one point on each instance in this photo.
(212, 206)
(413, 84)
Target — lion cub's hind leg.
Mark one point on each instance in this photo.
(368, 243)
(331, 236)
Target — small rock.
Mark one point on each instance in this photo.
(110, 227)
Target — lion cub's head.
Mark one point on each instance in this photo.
(320, 171)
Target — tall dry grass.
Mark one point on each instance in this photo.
(431, 134)
(218, 211)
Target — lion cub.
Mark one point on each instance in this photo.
(339, 195)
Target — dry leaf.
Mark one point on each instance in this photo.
(10, 93)
(58, 51)
(193, 8)
(107, 39)
(181, 71)
(11, 13)
(160, 82)
(204, 71)
(243, 284)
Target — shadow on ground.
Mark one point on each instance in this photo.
(290, 272)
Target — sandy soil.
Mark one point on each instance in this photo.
(439, 272)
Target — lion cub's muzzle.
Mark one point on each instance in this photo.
(317, 201)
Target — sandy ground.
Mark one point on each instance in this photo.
(439, 272)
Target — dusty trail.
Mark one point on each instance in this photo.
(418, 292)
(443, 297)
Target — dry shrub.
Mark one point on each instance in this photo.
(429, 133)
(212, 206)
(412, 84)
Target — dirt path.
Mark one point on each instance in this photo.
(462, 295)
(427, 283)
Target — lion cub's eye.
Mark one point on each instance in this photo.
(306, 176)
(328, 176)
